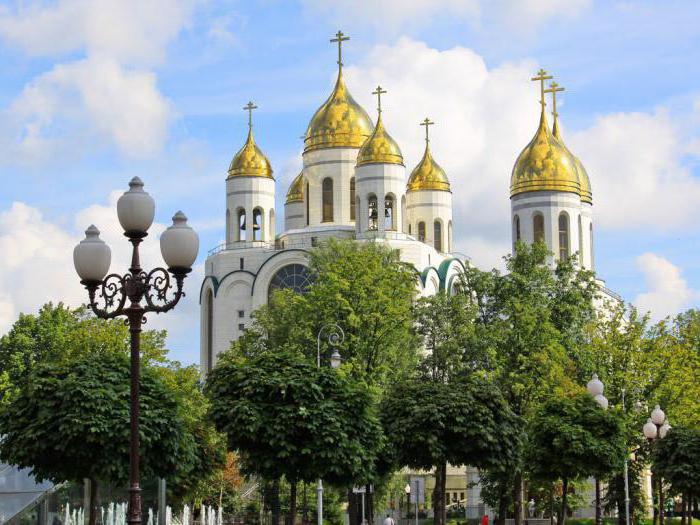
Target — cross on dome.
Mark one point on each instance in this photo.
(379, 92)
(249, 107)
(427, 122)
(554, 88)
(340, 38)
(541, 77)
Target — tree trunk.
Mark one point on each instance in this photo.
(564, 490)
(94, 493)
(502, 510)
(438, 496)
(598, 509)
(292, 502)
(683, 502)
(551, 505)
(661, 501)
(304, 505)
(518, 499)
(275, 502)
(352, 508)
(369, 494)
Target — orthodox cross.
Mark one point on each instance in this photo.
(554, 88)
(542, 76)
(379, 92)
(427, 122)
(249, 107)
(340, 38)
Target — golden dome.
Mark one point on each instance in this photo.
(250, 161)
(380, 148)
(584, 180)
(295, 193)
(544, 165)
(428, 175)
(339, 123)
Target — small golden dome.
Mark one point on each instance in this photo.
(296, 189)
(250, 161)
(339, 123)
(380, 148)
(544, 165)
(584, 180)
(428, 175)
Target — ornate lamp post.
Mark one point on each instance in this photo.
(179, 245)
(407, 490)
(335, 337)
(657, 427)
(595, 388)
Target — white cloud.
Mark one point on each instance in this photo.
(668, 292)
(518, 15)
(37, 264)
(107, 97)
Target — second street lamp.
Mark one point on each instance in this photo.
(108, 295)
(595, 388)
(655, 428)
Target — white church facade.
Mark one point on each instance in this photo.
(354, 185)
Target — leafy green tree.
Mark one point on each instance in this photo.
(677, 460)
(286, 417)
(70, 420)
(572, 437)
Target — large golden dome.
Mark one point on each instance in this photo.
(339, 123)
(428, 175)
(379, 148)
(584, 180)
(544, 165)
(250, 161)
(296, 189)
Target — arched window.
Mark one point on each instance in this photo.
(257, 224)
(327, 200)
(591, 241)
(409, 228)
(516, 227)
(294, 277)
(389, 216)
(271, 225)
(580, 240)
(210, 330)
(437, 235)
(306, 196)
(404, 223)
(228, 225)
(352, 198)
(538, 227)
(421, 231)
(372, 212)
(358, 226)
(563, 236)
(449, 237)
(241, 225)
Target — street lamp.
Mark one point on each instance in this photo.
(179, 245)
(657, 427)
(595, 388)
(407, 490)
(335, 336)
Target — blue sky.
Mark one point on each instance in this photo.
(96, 91)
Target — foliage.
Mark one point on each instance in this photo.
(677, 460)
(70, 421)
(286, 417)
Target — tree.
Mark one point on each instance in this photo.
(70, 420)
(286, 417)
(677, 460)
(465, 421)
(572, 437)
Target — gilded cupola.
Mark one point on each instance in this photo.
(340, 122)
(428, 175)
(250, 161)
(545, 164)
(296, 189)
(380, 147)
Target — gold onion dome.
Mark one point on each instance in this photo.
(250, 161)
(428, 175)
(339, 123)
(296, 189)
(544, 165)
(380, 147)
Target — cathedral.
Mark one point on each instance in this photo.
(354, 185)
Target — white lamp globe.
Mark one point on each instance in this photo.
(664, 429)
(650, 430)
(336, 359)
(602, 401)
(407, 488)
(179, 244)
(595, 386)
(92, 256)
(657, 415)
(136, 209)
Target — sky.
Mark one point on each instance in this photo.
(94, 92)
